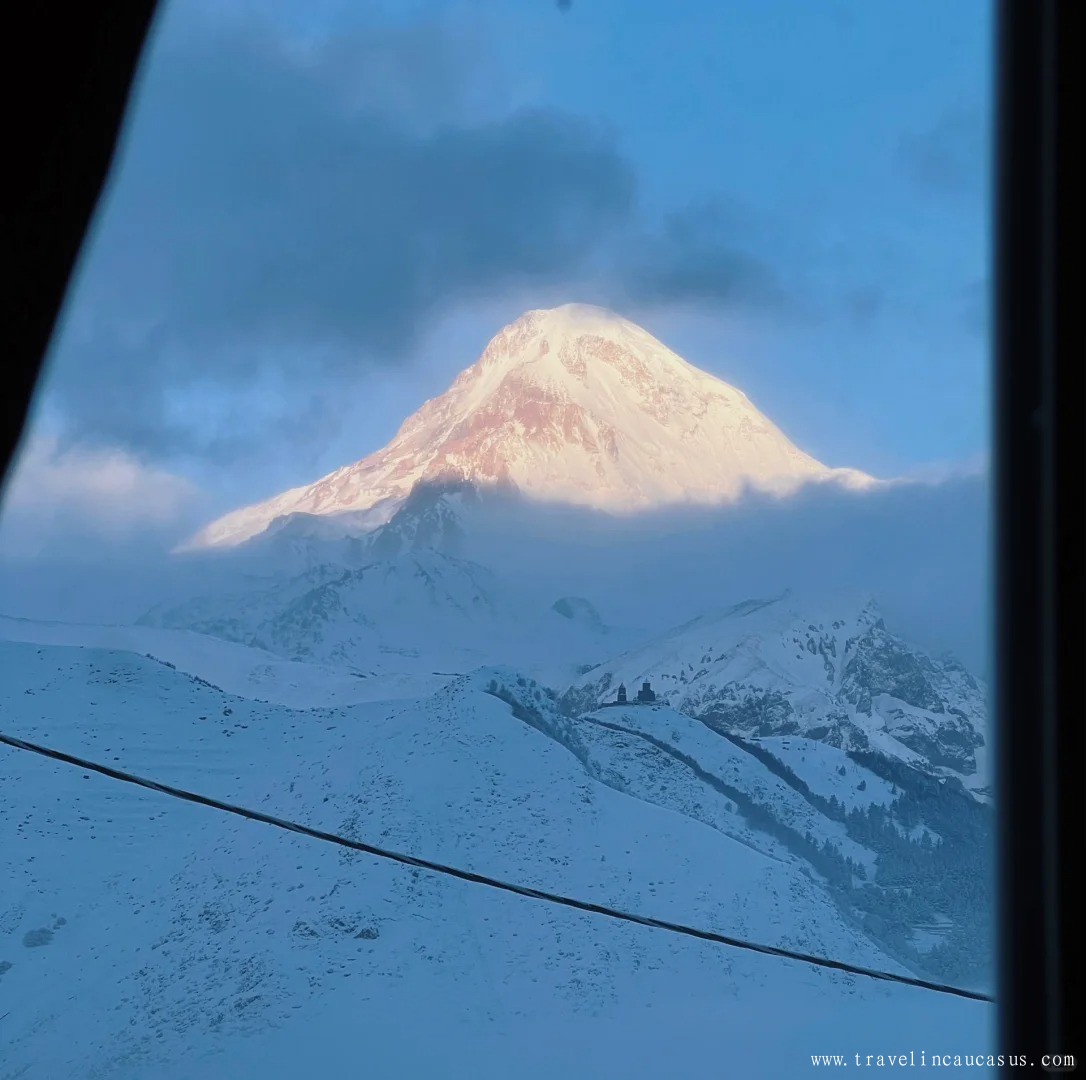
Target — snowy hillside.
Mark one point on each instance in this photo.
(573, 405)
(231, 667)
(352, 617)
(900, 844)
(140, 937)
(419, 613)
(773, 667)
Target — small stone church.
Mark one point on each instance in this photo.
(645, 696)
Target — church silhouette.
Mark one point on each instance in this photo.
(645, 696)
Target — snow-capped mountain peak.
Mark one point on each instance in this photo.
(573, 405)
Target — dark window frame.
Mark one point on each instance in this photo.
(1038, 509)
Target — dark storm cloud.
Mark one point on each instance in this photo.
(260, 201)
(312, 211)
(692, 259)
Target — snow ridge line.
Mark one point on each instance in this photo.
(749, 808)
(482, 879)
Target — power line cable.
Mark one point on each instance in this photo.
(482, 879)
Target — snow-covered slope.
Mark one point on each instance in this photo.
(573, 405)
(784, 666)
(141, 938)
(232, 667)
(773, 667)
(418, 613)
(418, 607)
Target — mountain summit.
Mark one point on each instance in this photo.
(575, 405)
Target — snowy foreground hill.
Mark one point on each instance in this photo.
(142, 937)
(813, 694)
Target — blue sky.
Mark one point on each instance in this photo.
(324, 210)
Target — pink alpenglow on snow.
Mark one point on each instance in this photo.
(573, 405)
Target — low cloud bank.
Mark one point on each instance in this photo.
(76, 501)
(920, 549)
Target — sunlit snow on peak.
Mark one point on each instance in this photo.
(573, 405)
